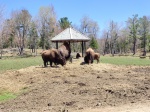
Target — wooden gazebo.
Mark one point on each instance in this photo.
(71, 35)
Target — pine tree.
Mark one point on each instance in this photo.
(133, 27)
(94, 43)
(64, 23)
(144, 31)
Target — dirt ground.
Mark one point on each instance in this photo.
(78, 87)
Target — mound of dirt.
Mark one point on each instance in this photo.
(77, 88)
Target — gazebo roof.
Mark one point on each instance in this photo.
(71, 35)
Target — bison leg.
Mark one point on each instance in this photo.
(56, 64)
(51, 63)
(97, 60)
(92, 59)
(70, 59)
(45, 63)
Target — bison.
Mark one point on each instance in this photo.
(89, 56)
(96, 57)
(78, 55)
(52, 56)
(65, 51)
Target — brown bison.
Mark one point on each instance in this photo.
(96, 57)
(78, 55)
(65, 51)
(52, 56)
(89, 56)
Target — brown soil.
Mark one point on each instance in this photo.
(78, 88)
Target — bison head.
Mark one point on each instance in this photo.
(61, 59)
(78, 55)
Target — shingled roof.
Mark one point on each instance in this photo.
(71, 35)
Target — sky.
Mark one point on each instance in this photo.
(101, 11)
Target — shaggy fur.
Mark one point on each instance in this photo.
(89, 56)
(65, 50)
(78, 55)
(52, 56)
(96, 57)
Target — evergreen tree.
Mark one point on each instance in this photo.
(64, 23)
(93, 43)
(133, 27)
(144, 31)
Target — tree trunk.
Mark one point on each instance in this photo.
(1, 47)
(36, 51)
(113, 52)
(1, 53)
(134, 46)
(144, 52)
(104, 52)
(120, 50)
(43, 40)
(11, 44)
(106, 42)
(20, 50)
(149, 48)
(124, 49)
(110, 48)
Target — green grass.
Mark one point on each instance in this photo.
(18, 63)
(6, 96)
(125, 60)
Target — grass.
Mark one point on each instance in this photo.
(125, 60)
(6, 96)
(18, 63)
(23, 62)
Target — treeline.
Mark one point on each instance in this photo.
(22, 30)
(133, 37)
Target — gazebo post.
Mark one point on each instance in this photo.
(82, 48)
(56, 45)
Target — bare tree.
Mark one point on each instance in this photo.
(21, 20)
(85, 24)
(93, 28)
(89, 27)
(105, 42)
(1, 28)
(123, 41)
(33, 38)
(113, 33)
(47, 23)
